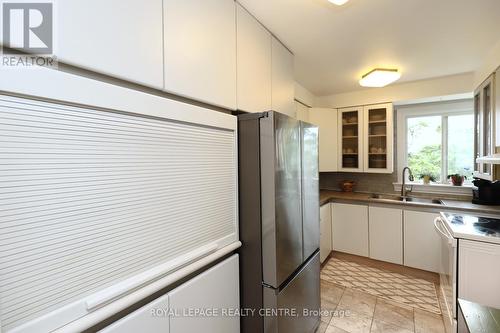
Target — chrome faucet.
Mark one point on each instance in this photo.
(404, 190)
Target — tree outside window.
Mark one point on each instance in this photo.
(440, 145)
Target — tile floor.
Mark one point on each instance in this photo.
(400, 288)
(368, 313)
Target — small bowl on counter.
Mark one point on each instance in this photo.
(347, 185)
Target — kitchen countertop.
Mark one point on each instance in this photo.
(479, 318)
(326, 196)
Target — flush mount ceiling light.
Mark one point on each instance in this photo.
(379, 77)
(338, 2)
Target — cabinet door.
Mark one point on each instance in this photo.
(254, 63)
(378, 138)
(325, 232)
(200, 50)
(496, 101)
(422, 244)
(479, 272)
(151, 318)
(217, 288)
(301, 112)
(350, 229)
(283, 84)
(350, 139)
(386, 234)
(326, 120)
(484, 121)
(120, 38)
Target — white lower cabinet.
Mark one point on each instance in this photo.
(479, 272)
(216, 288)
(386, 234)
(151, 318)
(350, 228)
(422, 245)
(325, 241)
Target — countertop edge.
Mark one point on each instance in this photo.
(327, 196)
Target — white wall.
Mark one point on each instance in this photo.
(424, 89)
(488, 66)
(304, 96)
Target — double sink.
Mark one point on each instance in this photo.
(388, 197)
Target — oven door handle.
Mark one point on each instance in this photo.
(446, 235)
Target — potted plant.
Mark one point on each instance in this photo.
(457, 179)
(427, 178)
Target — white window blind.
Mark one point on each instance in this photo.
(89, 198)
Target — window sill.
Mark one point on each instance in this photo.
(464, 190)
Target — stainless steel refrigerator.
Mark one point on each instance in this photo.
(279, 223)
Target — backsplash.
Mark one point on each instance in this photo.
(365, 182)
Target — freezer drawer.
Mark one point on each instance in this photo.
(301, 293)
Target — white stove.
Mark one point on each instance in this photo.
(453, 227)
(478, 228)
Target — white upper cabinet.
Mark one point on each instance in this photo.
(326, 120)
(484, 123)
(200, 50)
(283, 84)
(350, 139)
(302, 112)
(366, 139)
(254, 63)
(496, 100)
(119, 38)
(378, 138)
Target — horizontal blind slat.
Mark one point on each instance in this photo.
(89, 198)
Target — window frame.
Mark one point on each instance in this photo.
(445, 110)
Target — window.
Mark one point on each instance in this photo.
(437, 140)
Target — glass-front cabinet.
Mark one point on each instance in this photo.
(484, 119)
(378, 138)
(365, 139)
(350, 123)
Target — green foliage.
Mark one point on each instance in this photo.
(427, 161)
(432, 177)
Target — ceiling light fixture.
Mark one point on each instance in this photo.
(338, 2)
(379, 77)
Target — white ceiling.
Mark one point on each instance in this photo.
(334, 46)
